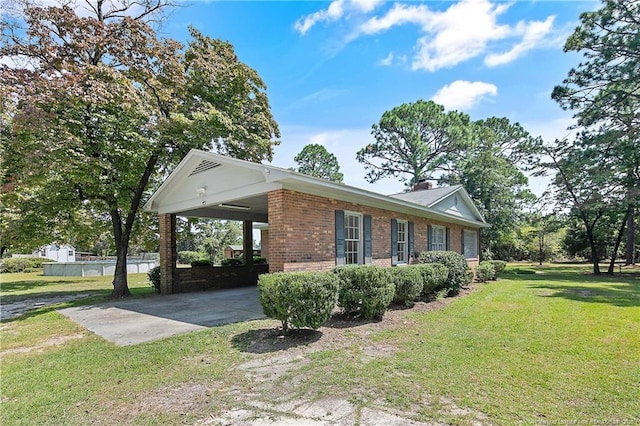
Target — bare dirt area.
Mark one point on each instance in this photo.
(273, 391)
(14, 309)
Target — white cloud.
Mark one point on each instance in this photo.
(336, 10)
(533, 34)
(463, 94)
(387, 61)
(465, 30)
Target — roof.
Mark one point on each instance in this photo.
(240, 247)
(205, 184)
(427, 197)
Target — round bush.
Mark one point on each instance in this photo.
(154, 278)
(187, 257)
(365, 290)
(499, 266)
(434, 277)
(299, 299)
(485, 271)
(201, 262)
(408, 283)
(23, 264)
(455, 263)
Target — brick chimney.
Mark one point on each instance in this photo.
(421, 185)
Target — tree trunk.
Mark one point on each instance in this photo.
(631, 237)
(120, 284)
(594, 252)
(616, 246)
(540, 246)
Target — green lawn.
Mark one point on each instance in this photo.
(557, 346)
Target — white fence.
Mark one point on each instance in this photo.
(95, 269)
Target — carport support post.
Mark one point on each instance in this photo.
(168, 254)
(247, 242)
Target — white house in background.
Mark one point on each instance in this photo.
(57, 253)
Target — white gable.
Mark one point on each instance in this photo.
(454, 204)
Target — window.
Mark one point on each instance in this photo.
(402, 241)
(438, 238)
(470, 244)
(352, 238)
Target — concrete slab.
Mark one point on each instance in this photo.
(134, 321)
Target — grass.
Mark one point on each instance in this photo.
(553, 346)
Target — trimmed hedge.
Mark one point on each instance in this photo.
(23, 264)
(499, 266)
(188, 257)
(201, 262)
(299, 299)
(434, 277)
(365, 290)
(485, 271)
(408, 283)
(455, 263)
(231, 262)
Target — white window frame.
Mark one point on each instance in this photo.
(402, 244)
(353, 246)
(435, 244)
(470, 250)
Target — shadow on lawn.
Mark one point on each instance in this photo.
(272, 340)
(28, 285)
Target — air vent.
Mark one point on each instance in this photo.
(203, 167)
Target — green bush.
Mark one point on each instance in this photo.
(485, 271)
(188, 257)
(499, 266)
(434, 277)
(455, 263)
(469, 278)
(231, 262)
(201, 262)
(23, 264)
(299, 299)
(154, 278)
(408, 283)
(365, 290)
(259, 260)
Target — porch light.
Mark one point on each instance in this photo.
(201, 191)
(233, 207)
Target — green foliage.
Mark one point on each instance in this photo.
(299, 299)
(485, 271)
(201, 262)
(212, 236)
(413, 140)
(23, 264)
(259, 260)
(434, 277)
(154, 278)
(455, 263)
(498, 266)
(408, 281)
(315, 160)
(365, 290)
(187, 257)
(469, 278)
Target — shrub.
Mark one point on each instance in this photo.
(434, 277)
(469, 278)
(259, 260)
(154, 278)
(408, 284)
(188, 257)
(365, 290)
(231, 262)
(455, 263)
(23, 264)
(201, 262)
(485, 271)
(299, 299)
(499, 266)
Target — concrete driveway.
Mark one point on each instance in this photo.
(133, 321)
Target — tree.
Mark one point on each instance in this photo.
(604, 90)
(488, 170)
(315, 160)
(414, 140)
(212, 236)
(110, 107)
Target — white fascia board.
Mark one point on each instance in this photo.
(220, 197)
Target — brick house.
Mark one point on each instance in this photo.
(309, 223)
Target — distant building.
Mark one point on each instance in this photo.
(235, 251)
(57, 253)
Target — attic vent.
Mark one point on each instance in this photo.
(203, 167)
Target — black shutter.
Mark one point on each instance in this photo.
(394, 241)
(462, 242)
(448, 241)
(368, 249)
(429, 237)
(339, 237)
(411, 244)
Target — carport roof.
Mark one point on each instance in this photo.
(205, 184)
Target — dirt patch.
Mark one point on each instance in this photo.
(15, 309)
(52, 341)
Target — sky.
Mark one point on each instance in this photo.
(332, 68)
